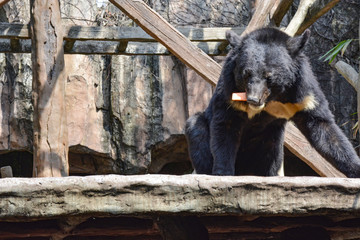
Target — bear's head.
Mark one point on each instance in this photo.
(266, 63)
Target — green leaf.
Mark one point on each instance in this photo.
(345, 46)
(332, 53)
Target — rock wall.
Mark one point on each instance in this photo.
(126, 114)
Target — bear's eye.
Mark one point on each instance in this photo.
(268, 76)
(246, 73)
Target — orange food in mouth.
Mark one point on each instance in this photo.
(239, 96)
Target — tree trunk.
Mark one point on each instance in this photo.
(50, 130)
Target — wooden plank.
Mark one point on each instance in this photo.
(177, 43)
(138, 48)
(14, 30)
(48, 88)
(139, 35)
(149, 195)
(296, 142)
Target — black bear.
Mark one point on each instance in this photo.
(246, 138)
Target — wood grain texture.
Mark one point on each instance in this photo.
(83, 33)
(296, 142)
(307, 13)
(48, 91)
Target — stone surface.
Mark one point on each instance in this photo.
(147, 195)
(229, 207)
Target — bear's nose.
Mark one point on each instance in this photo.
(253, 101)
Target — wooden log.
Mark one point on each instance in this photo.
(348, 72)
(177, 43)
(261, 15)
(49, 124)
(296, 142)
(308, 12)
(279, 10)
(149, 195)
(267, 13)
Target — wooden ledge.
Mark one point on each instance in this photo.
(148, 195)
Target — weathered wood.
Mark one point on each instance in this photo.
(113, 48)
(49, 124)
(3, 2)
(138, 48)
(139, 35)
(148, 195)
(279, 10)
(348, 72)
(177, 43)
(296, 142)
(267, 12)
(261, 16)
(308, 12)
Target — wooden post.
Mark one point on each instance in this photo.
(50, 129)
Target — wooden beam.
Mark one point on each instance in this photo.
(296, 142)
(279, 10)
(173, 40)
(261, 15)
(49, 122)
(348, 72)
(135, 34)
(112, 48)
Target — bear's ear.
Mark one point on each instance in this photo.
(296, 44)
(233, 38)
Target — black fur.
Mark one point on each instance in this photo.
(247, 139)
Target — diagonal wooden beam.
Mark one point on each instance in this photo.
(179, 45)
(296, 142)
(193, 57)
